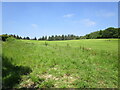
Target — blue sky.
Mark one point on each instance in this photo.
(57, 18)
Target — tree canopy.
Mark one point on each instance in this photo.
(110, 32)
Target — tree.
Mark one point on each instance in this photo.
(63, 38)
(17, 37)
(40, 39)
(27, 38)
(49, 38)
(20, 37)
(14, 36)
(107, 33)
(52, 37)
(45, 38)
(24, 38)
(34, 38)
(4, 37)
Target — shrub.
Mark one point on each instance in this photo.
(46, 44)
(10, 39)
(4, 37)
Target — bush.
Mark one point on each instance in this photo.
(4, 37)
(10, 39)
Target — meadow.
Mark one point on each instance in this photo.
(85, 63)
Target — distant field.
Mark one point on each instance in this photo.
(89, 63)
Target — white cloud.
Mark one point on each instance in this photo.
(68, 15)
(108, 14)
(105, 13)
(34, 25)
(88, 22)
(85, 22)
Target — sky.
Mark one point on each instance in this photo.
(36, 19)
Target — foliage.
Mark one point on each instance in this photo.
(34, 38)
(10, 39)
(107, 33)
(4, 37)
(63, 37)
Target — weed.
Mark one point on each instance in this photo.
(46, 44)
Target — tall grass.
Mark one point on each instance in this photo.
(91, 63)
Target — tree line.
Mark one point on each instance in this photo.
(110, 32)
(50, 38)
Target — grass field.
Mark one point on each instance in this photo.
(86, 63)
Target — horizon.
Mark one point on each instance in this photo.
(54, 35)
(58, 18)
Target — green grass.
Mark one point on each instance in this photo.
(87, 63)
